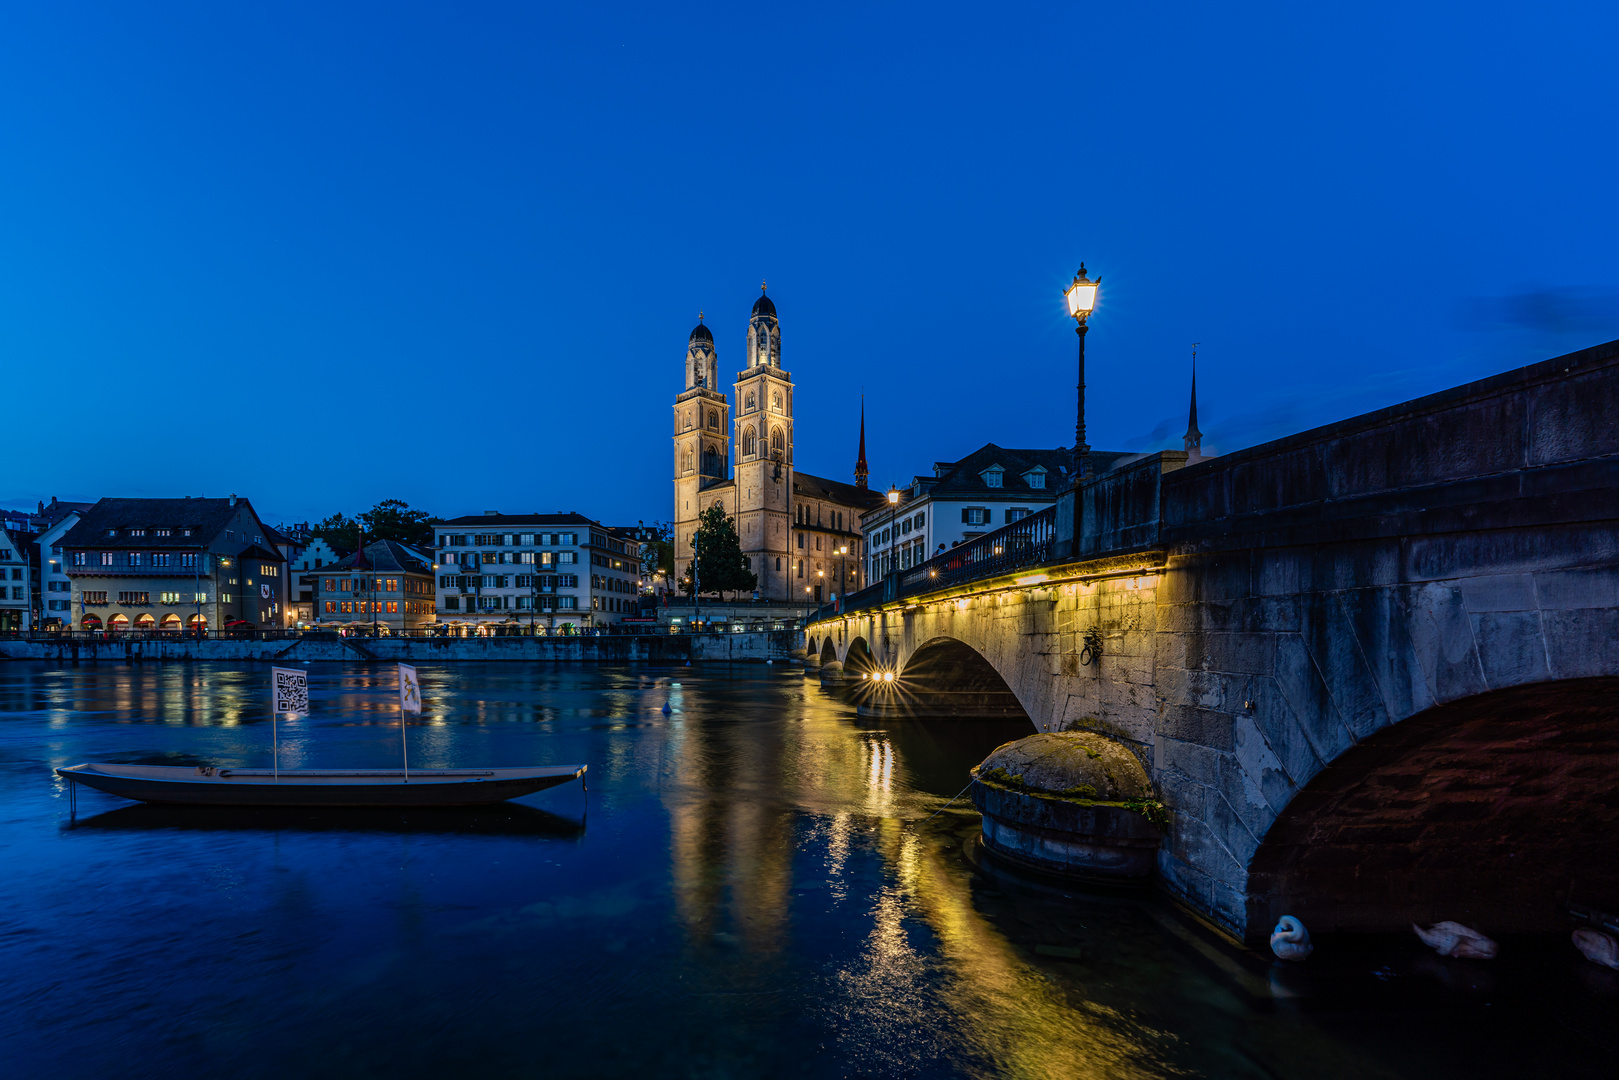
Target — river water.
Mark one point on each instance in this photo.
(756, 884)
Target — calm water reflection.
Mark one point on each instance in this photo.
(752, 887)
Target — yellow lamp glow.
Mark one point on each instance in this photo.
(1081, 295)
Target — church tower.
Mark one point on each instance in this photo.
(702, 443)
(1194, 437)
(764, 454)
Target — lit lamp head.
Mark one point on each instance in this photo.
(893, 496)
(1081, 295)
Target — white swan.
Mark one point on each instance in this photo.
(1290, 940)
(1597, 947)
(1453, 939)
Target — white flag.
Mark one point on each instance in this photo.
(410, 691)
(291, 689)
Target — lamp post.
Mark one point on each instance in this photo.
(893, 533)
(843, 573)
(1081, 297)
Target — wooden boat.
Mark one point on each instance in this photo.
(209, 786)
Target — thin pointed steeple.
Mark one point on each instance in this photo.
(1194, 437)
(860, 470)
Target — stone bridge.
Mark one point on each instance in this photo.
(1373, 669)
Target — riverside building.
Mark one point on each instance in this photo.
(144, 565)
(512, 573)
(385, 586)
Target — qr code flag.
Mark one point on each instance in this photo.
(291, 690)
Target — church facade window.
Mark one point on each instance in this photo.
(778, 441)
(749, 447)
(775, 401)
(749, 406)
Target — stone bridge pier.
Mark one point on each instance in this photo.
(1372, 669)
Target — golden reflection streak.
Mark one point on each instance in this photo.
(1011, 1013)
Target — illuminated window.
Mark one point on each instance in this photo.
(331, 607)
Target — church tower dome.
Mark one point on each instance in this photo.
(764, 333)
(702, 362)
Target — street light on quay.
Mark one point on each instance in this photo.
(1081, 297)
(893, 533)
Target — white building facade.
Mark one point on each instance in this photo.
(513, 573)
(988, 489)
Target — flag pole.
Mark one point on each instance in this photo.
(275, 743)
(404, 748)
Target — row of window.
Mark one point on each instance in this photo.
(94, 597)
(505, 581)
(155, 532)
(160, 559)
(512, 603)
(547, 539)
(471, 559)
(377, 607)
(803, 517)
(361, 584)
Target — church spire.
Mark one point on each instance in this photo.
(1194, 437)
(860, 470)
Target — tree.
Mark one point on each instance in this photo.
(340, 531)
(658, 553)
(719, 559)
(393, 519)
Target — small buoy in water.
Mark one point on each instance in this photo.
(1597, 947)
(1290, 940)
(666, 708)
(1453, 939)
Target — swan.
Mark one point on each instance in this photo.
(1453, 939)
(1597, 947)
(1290, 940)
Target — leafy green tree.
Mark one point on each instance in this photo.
(719, 559)
(393, 519)
(340, 531)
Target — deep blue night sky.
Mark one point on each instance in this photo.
(451, 253)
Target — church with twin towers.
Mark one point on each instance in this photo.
(793, 525)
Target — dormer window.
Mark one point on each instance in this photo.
(1036, 478)
(112, 532)
(137, 532)
(992, 476)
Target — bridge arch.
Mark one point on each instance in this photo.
(829, 651)
(945, 676)
(1497, 810)
(858, 659)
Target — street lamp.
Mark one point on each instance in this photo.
(1081, 297)
(893, 533)
(843, 573)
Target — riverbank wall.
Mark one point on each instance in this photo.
(777, 646)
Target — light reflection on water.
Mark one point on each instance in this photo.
(756, 885)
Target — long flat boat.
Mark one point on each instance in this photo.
(205, 785)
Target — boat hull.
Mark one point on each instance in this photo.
(177, 785)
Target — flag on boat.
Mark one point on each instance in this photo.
(291, 689)
(410, 691)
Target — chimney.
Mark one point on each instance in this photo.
(233, 498)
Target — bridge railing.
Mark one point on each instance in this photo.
(1021, 544)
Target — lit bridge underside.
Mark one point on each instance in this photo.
(1360, 625)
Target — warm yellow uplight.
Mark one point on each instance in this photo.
(1081, 295)
(888, 676)
(1032, 579)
